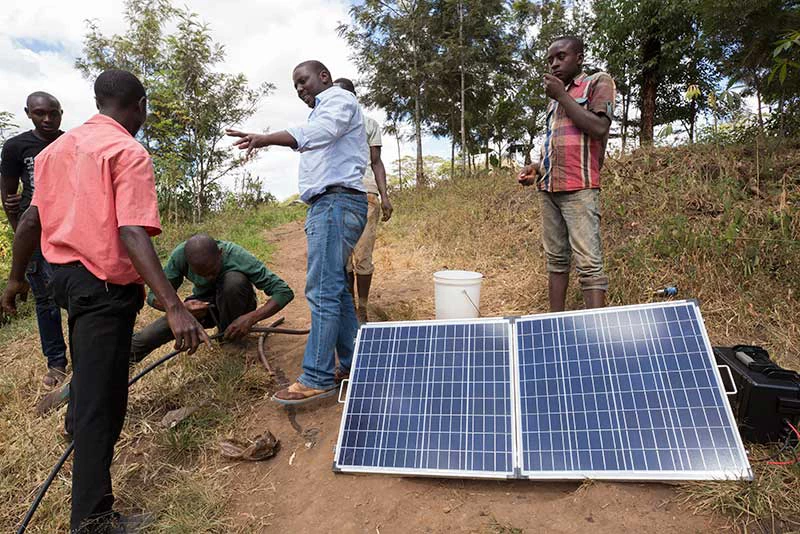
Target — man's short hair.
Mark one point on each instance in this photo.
(41, 94)
(200, 247)
(345, 83)
(314, 65)
(118, 87)
(575, 42)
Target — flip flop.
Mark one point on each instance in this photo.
(293, 398)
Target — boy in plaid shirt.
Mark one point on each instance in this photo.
(568, 174)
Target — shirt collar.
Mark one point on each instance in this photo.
(578, 80)
(327, 93)
(99, 118)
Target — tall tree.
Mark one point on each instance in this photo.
(743, 34)
(189, 102)
(650, 44)
(395, 54)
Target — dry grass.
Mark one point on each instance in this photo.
(174, 474)
(722, 231)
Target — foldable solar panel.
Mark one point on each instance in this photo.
(629, 393)
(430, 398)
(624, 393)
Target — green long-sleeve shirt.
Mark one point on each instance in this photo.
(234, 258)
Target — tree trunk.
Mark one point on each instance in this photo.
(399, 156)
(463, 92)
(758, 103)
(421, 180)
(651, 51)
(452, 156)
(626, 99)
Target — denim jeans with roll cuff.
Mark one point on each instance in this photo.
(334, 224)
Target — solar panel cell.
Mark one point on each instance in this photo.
(623, 393)
(430, 399)
(619, 393)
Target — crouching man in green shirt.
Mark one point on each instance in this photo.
(223, 275)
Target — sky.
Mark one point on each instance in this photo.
(264, 39)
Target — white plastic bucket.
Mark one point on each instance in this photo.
(457, 294)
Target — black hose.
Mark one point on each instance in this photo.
(60, 463)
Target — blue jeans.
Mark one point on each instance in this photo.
(48, 314)
(571, 228)
(333, 225)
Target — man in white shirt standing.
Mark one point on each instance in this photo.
(332, 164)
(378, 199)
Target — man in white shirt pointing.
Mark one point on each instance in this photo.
(332, 163)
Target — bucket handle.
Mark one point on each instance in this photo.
(470, 301)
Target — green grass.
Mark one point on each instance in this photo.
(245, 228)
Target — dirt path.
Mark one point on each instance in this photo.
(297, 491)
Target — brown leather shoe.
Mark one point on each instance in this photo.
(340, 375)
(54, 377)
(297, 393)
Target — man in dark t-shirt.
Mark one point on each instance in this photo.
(16, 165)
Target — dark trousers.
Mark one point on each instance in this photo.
(101, 318)
(48, 316)
(233, 297)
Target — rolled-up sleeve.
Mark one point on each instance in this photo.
(329, 121)
(603, 96)
(135, 199)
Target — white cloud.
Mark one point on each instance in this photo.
(264, 39)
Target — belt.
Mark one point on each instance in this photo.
(335, 189)
(71, 264)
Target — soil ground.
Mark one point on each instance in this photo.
(297, 491)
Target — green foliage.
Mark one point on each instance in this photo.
(190, 103)
(786, 56)
(245, 227)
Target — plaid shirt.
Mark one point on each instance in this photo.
(571, 159)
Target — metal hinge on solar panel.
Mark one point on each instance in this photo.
(342, 388)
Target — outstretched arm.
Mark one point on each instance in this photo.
(252, 141)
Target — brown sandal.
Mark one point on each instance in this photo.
(298, 393)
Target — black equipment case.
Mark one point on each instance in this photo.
(767, 395)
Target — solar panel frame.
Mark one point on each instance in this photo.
(745, 473)
(512, 472)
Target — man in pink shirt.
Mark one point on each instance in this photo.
(93, 212)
